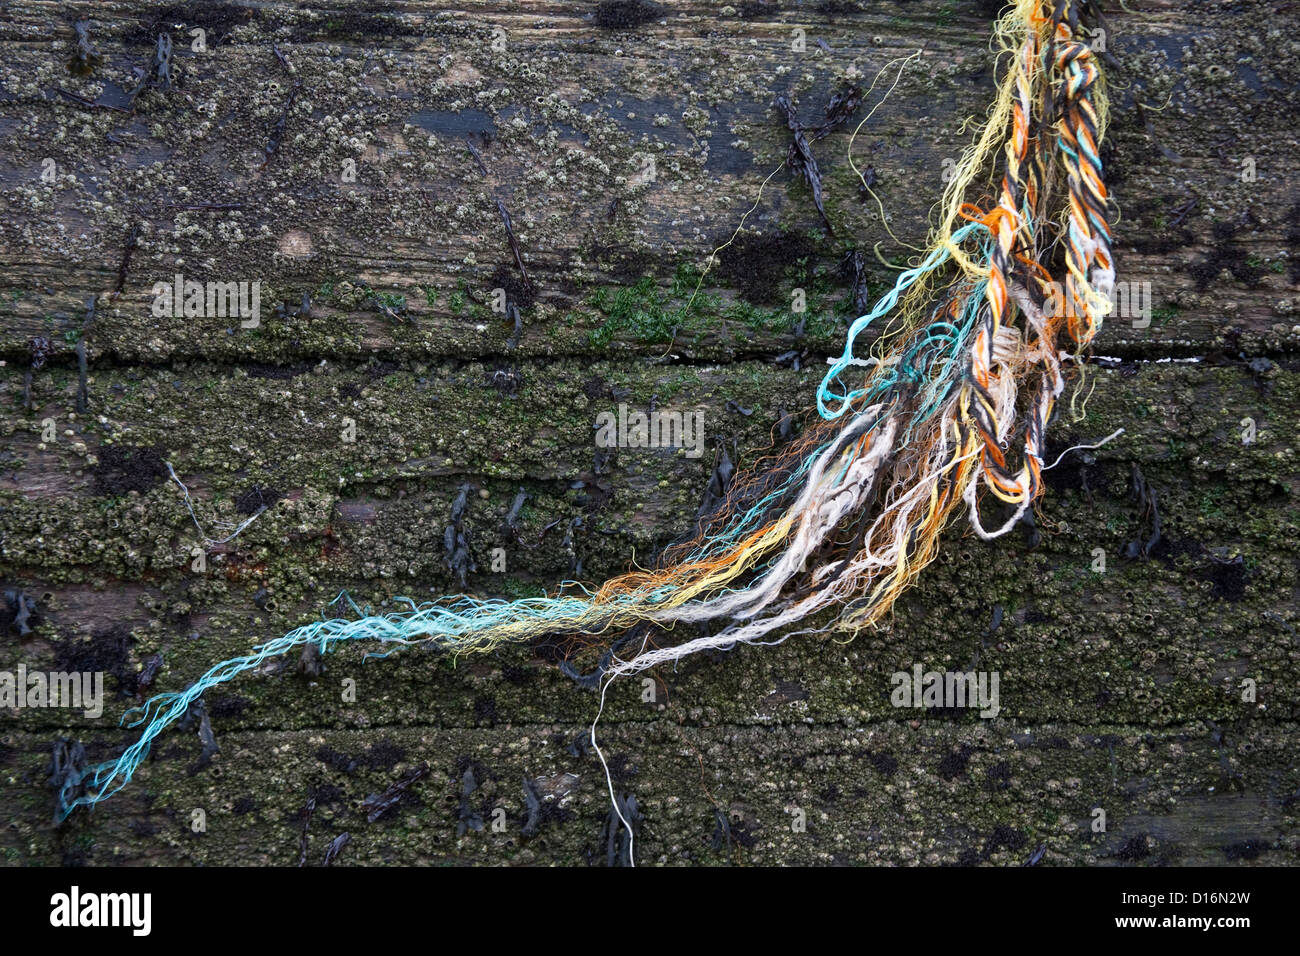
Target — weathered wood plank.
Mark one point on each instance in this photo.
(884, 794)
(397, 93)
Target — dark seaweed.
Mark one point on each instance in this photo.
(19, 612)
(455, 540)
(1148, 517)
(67, 771)
(376, 805)
(84, 57)
(336, 846)
(307, 812)
(799, 157)
(277, 133)
(468, 818)
(619, 835)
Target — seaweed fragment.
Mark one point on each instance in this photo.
(838, 110)
(1148, 516)
(88, 104)
(854, 268)
(784, 425)
(721, 832)
(1230, 777)
(1230, 253)
(505, 379)
(336, 847)
(579, 746)
(541, 809)
(198, 713)
(20, 612)
(67, 771)
(84, 55)
(467, 817)
(869, 180)
(511, 523)
(277, 132)
(159, 74)
(148, 672)
(284, 60)
(257, 499)
(514, 242)
(132, 240)
(383, 755)
(309, 663)
(455, 540)
(39, 349)
(534, 807)
(1182, 212)
(512, 310)
(1227, 577)
(800, 159)
(83, 378)
(622, 825)
(377, 804)
(715, 492)
(306, 814)
(478, 156)
(799, 155)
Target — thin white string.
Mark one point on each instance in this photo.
(609, 780)
(1111, 437)
(203, 534)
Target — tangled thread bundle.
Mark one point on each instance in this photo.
(954, 411)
